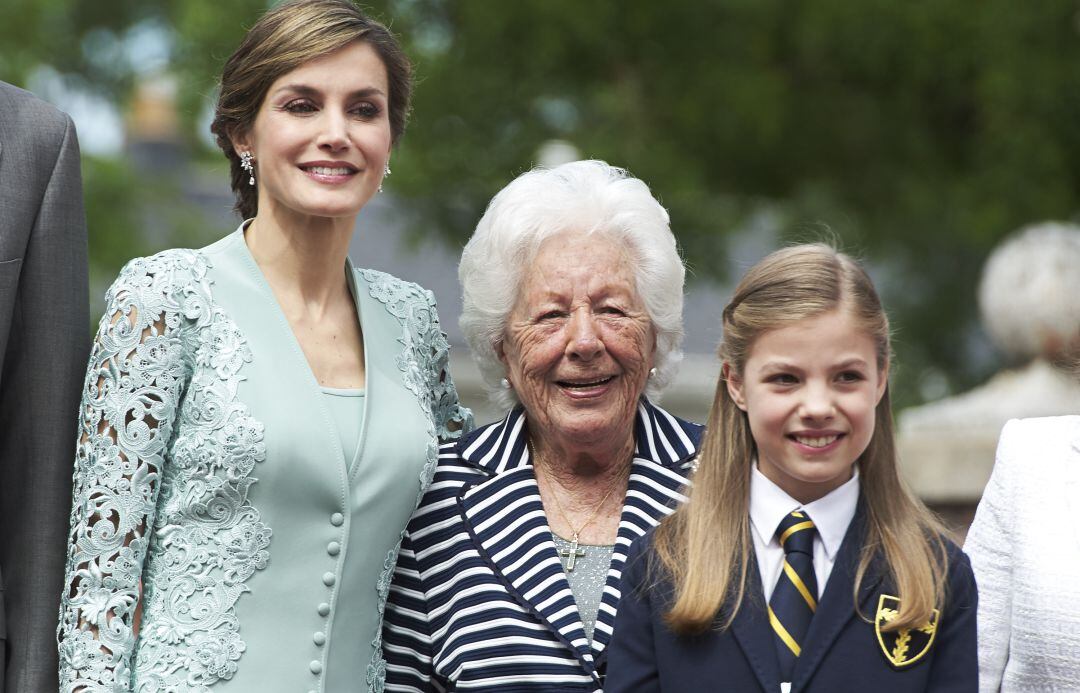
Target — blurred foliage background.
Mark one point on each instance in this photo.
(919, 132)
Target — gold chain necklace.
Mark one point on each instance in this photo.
(574, 551)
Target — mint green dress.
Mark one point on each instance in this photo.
(260, 514)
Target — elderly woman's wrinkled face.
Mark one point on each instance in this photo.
(579, 344)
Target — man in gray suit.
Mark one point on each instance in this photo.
(44, 342)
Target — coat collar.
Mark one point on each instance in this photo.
(835, 608)
(504, 516)
(754, 634)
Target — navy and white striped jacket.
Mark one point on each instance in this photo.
(479, 600)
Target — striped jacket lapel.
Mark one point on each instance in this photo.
(505, 517)
(663, 438)
(665, 447)
(654, 490)
(497, 447)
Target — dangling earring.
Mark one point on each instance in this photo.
(248, 164)
(386, 172)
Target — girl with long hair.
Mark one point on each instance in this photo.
(801, 561)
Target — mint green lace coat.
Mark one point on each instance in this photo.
(210, 471)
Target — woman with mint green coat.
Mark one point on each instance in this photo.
(259, 417)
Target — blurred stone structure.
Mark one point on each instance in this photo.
(1029, 299)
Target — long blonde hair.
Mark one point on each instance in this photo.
(705, 546)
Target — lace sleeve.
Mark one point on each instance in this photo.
(451, 418)
(130, 397)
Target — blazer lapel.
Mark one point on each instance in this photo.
(754, 634)
(837, 606)
(505, 517)
(664, 449)
(653, 492)
(663, 438)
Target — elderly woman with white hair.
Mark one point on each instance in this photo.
(508, 575)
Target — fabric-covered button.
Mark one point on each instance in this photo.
(324, 609)
(337, 519)
(315, 666)
(328, 579)
(333, 548)
(319, 638)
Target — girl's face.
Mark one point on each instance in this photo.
(810, 390)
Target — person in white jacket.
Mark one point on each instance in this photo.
(1024, 546)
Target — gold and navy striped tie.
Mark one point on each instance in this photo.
(794, 599)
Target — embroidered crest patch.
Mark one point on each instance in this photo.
(906, 645)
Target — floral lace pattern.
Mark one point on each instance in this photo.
(164, 463)
(424, 365)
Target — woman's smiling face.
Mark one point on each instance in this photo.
(810, 391)
(321, 138)
(579, 344)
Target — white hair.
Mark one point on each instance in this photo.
(583, 197)
(1029, 295)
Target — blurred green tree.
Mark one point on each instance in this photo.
(919, 132)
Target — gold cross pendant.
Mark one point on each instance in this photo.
(573, 553)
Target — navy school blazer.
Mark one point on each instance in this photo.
(843, 651)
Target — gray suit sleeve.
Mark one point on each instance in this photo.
(43, 367)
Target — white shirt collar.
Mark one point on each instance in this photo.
(831, 513)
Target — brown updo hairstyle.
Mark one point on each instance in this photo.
(283, 39)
